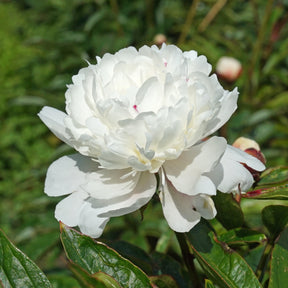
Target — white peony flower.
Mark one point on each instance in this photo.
(137, 114)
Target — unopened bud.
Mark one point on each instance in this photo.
(228, 68)
(159, 39)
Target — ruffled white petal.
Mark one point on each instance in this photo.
(227, 106)
(186, 172)
(67, 174)
(54, 120)
(183, 211)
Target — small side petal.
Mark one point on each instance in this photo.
(67, 174)
(236, 154)
(205, 206)
(230, 175)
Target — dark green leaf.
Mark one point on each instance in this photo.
(16, 269)
(96, 257)
(164, 281)
(277, 193)
(229, 212)
(165, 264)
(99, 279)
(224, 266)
(133, 253)
(279, 262)
(253, 256)
(275, 218)
(241, 235)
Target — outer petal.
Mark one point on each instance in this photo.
(54, 120)
(236, 154)
(67, 174)
(182, 211)
(228, 107)
(89, 221)
(230, 174)
(186, 172)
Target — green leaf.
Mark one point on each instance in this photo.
(253, 256)
(96, 257)
(16, 269)
(279, 101)
(133, 253)
(275, 218)
(279, 262)
(277, 193)
(229, 212)
(99, 279)
(224, 266)
(164, 281)
(241, 235)
(209, 284)
(274, 176)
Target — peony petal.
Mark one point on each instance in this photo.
(204, 185)
(227, 107)
(108, 184)
(78, 93)
(142, 193)
(230, 175)
(185, 172)
(205, 206)
(89, 222)
(182, 211)
(236, 154)
(68, 210)
(54, 120)
(66, 174)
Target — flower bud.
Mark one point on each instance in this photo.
(228, 68)
(252, 148)
(159, 39)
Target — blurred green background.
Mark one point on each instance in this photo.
(44, 43)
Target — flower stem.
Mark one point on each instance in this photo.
(263, 261)
(211, 15)
(188, 258)
(252, 80)
(188, 22)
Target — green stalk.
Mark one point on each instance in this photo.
(188, 258)
(188, 22)
(252, 80)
